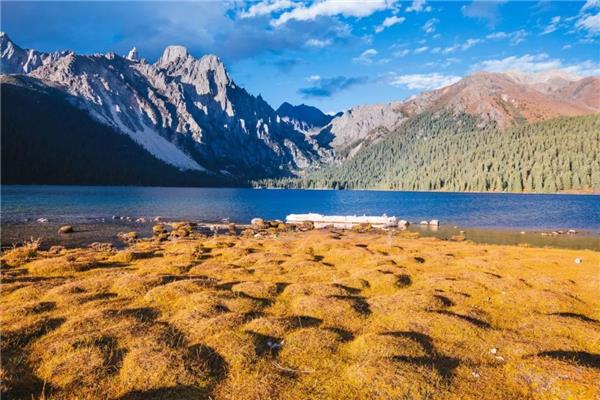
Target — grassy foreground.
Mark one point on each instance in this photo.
(321, 314)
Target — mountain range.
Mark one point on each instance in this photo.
(191, 124)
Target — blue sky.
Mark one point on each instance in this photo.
(330, 53)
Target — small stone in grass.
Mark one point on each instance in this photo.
(66, 229)
(578, 260)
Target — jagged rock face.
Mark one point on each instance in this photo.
(185, 111)
(133, 55)
(348, 131)
(15, 60)
(307, 119)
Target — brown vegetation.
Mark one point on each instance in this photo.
(319, 314)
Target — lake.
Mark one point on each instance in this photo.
(497, 211)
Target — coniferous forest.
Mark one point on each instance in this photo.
(450, 153)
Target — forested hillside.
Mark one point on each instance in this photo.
(452, 154)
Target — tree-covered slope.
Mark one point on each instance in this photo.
(449, 153)
(47, 140)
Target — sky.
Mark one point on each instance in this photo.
(333, 54)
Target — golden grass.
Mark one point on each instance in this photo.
(300, 315)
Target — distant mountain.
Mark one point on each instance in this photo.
(184, 111)
(304, 118)
(347, 132)
(498, 99)
(494, 99)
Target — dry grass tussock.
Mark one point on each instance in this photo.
(300, 315)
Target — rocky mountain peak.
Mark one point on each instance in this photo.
(133, 55)
(173, 54)
(7, 46)
(305, 118)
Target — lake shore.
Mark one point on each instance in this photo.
(86, 233)
(282, 314)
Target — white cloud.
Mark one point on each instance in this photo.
(465, 46)
(422, 81)
(515, 37)
(366, 57)
(313, 78)
(389, 21)
(498, 35)
(487, 10)
(552, 26)
(401, 53)
(418, 6)
(443, 64)
(538, 63)
(267, 7)
(590, 4)
(421, 50)
(585, 68)
(469, 43)
(526, 63)
(567, 46)
(331, 8)
(318, 42)
(591, 23)
(429, 26)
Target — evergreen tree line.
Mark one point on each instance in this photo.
(451, 153)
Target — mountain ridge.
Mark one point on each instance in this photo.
(185, 111)
(189, 113)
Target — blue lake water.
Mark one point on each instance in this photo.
(493, 210)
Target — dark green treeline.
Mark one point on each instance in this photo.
(451, 153)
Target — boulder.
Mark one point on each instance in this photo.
(99, 246)
(127, 237)
(55, 250)
(424, 223)
(232, 229)
(66, 229)
(248, 232)
(403, 223)
(434, 222)
(180, 233)
(158, 229)
(182, 225)
(307, 226)
(257, 221)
